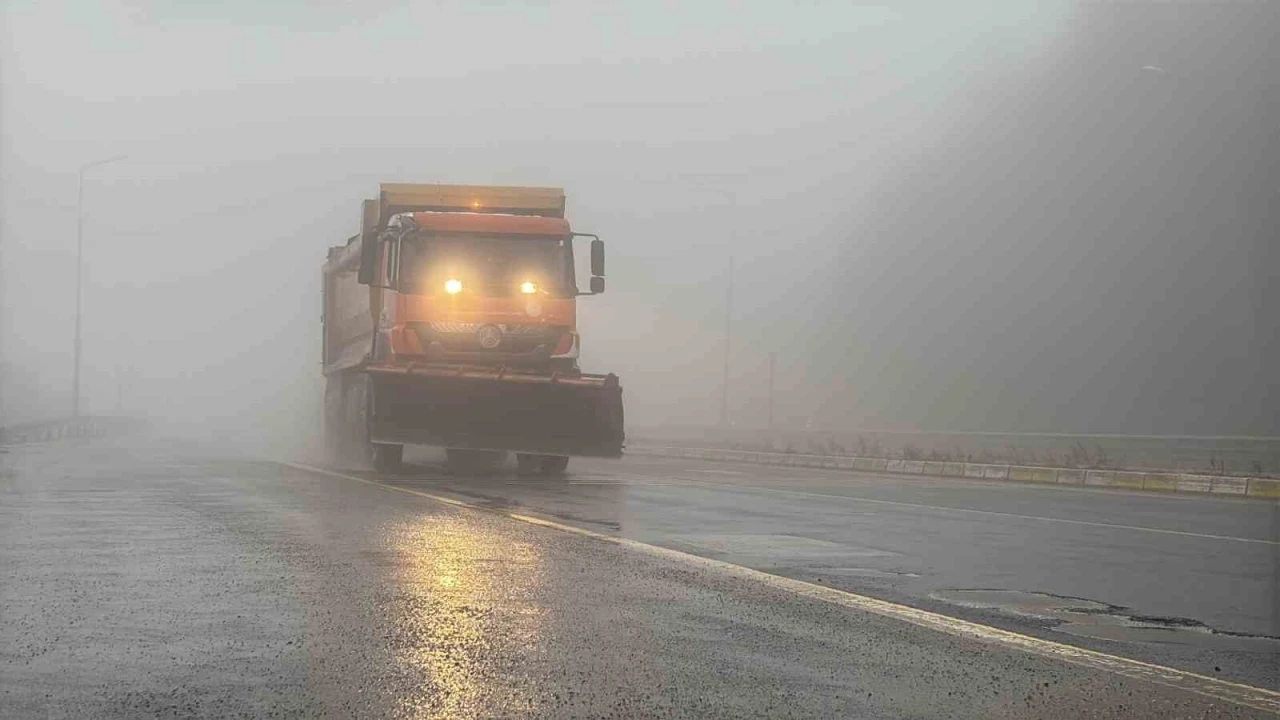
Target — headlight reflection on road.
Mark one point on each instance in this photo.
(465, 611)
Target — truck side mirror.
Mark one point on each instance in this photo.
(597, 258)
(368, 259)
(597, 284)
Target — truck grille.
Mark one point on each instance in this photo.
(464, 336)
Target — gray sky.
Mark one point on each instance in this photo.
(984, 216)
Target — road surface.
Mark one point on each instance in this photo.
(169, 580)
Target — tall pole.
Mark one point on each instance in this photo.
(75, 375)
(728, 341)
(773, 361)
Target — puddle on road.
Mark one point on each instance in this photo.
(1088, 618)
(1027, 604)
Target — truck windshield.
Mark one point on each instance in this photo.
(490, 265)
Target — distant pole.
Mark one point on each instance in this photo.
(75, 377)
(728, 340)
(773, 361)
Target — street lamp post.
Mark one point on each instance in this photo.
(732, 197)
(728, 339)
(75, 380)
(773, 361)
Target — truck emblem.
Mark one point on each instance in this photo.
(489, 336)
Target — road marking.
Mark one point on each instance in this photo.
(1089, 523)
(718, 472)
(1247, 695)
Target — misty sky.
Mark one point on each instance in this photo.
(1001, 216)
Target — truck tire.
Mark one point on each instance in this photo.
(386, 458)
(334, 429)
(527, 464)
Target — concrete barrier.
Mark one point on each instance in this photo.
(869, 464)
(1183, 483)
(1263, 488)
(1163, 482)
(1194, 483)
(1070, 476)
(1023, 473)
(1229, 486)
(1129, 480)
(1100, 478)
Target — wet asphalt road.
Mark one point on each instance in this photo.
(1187, 582)
(166, 581)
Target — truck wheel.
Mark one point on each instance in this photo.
(386, 458)
(474, 461)
(333, 426)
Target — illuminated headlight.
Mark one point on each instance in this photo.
(453, 286)
(528, 288)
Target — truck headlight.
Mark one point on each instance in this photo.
(528, 288)
(453, 286)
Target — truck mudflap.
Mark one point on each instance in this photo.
(483, 408)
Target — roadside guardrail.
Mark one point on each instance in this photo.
(47, 431)
(1169, 482)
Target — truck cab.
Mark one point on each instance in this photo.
(475, 288)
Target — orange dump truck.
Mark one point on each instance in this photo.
(451, 320)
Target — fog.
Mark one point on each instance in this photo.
(1003, 216)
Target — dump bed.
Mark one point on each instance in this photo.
(407, 197)
(347, 309)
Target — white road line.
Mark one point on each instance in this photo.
(921, 506)
(1247, 695)
(718, 472)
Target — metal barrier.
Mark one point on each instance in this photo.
(48, 431)
(1137, 480)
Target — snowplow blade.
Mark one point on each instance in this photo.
(497, 409)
